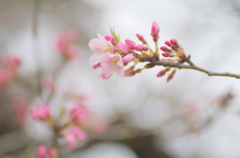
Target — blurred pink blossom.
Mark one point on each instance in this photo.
(41, 113)
(52, 152)
(12, 61)
(79, 114)
(49, 84)
(74, 134)
(5, 75)
(42, 151)
(66, 45)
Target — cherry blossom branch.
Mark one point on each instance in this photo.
(194, 67)
(112, 56)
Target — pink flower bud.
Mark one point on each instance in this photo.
(165, 49)
(170, 76)
(174, 48)
(130, 71)
(168, 43)
(140, 47)
(129, 57)
(166, 54)
(41, 113)
(111, 39)
(96, 65)
(52, 152)
(163, 72)
(123, 47)
(174, 41)
(130, 43)
(155, 31)
(42, 151)
(141, 38)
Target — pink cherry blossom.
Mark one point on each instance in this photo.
(111, 63)
(73, 134)
(52, 152)
(79, 133)
(42, 151)
(66, 45)
(71, 140)
(100, 46)
(79, 114)
(102, 74)
(41, 113)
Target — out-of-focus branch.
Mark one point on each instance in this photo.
(35, 47)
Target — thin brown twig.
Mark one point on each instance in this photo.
(194, 67)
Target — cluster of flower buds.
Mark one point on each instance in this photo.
(172, 49)
(10, 65)
(72, 125)
(43, 152)
(112, 56)
(67, 45)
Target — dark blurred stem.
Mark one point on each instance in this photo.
(35, 46)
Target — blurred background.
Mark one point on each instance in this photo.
(192, 116)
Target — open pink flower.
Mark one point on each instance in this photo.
(111, 63)
(100, 46)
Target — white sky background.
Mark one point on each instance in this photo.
(206, 30)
